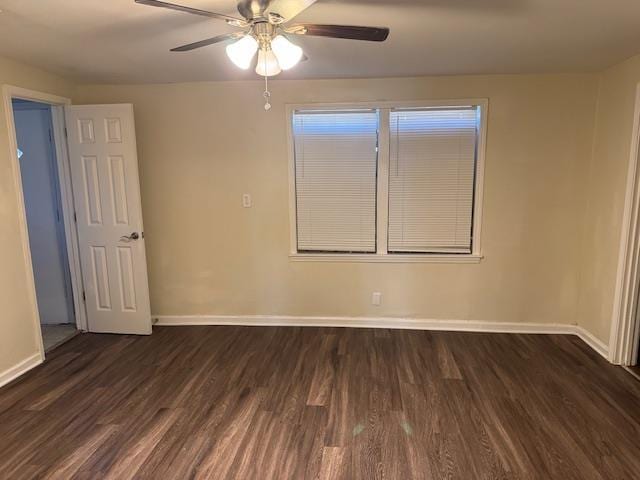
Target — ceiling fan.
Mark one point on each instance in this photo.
(265, 27)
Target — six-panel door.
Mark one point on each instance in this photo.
(104, 172)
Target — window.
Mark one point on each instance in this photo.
(335, 167)
(387, 182)
(431, 179)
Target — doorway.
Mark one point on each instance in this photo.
(41, 188)
(96, 203)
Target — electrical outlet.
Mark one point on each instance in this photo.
(246, 200)
(376, 298)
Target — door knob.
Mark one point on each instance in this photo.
(128, 238)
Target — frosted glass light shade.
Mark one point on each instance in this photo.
(267, 65)
(242, 52)
(287, 53)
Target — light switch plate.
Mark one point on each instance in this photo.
(376, 298)
(246, 200)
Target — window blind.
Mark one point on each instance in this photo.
(431, 179)
(335, 172)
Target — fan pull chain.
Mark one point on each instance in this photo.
(266, 94)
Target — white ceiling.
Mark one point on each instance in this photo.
(118, 41)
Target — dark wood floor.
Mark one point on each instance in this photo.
(294, 403)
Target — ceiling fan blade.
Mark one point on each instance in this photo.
(350, 32)
(288, 9)
(208, 41)
(195, 11)
(253, 8)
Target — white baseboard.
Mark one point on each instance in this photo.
(385, 322)
(591, 340)
(23, 367)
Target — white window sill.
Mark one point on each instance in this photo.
(391, 258)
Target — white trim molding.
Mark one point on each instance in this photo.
(384, 322)
(20, 369)
(590, 339)
(388, 258)
(623, 341)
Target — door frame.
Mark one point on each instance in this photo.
(9, 93)
(625, 328)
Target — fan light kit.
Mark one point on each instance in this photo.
(273, 55)
(265, 30)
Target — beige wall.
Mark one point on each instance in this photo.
(202, 145)
(606, 194)
(18, 338)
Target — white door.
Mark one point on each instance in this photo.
(106, 190)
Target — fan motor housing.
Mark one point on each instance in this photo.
(263, 31)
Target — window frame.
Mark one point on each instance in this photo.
(382, 195)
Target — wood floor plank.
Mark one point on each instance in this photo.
(135, 453)
(322, 380)
(334, 463)
(321, 403)
(72, 464)
(232, 433)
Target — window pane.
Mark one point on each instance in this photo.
(431, 179)
(335, 169)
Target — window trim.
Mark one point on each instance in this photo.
(382, 205)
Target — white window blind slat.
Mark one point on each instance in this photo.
(431, 180)
(335, 172)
